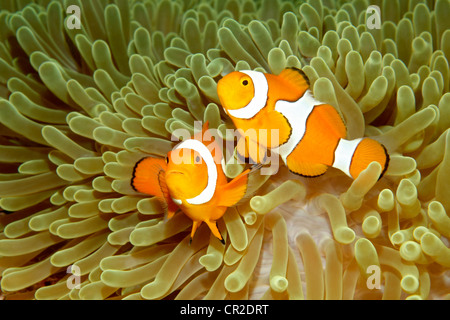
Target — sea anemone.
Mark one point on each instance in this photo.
(80, 106)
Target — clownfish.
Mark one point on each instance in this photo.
(191, 178)
(311, 134)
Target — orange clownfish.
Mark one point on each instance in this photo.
(191, 178)
(311, 134)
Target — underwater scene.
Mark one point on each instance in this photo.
(110, 189)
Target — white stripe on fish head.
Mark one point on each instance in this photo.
(207, 193)
(261, 89)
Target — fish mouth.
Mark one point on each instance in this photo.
(174, 172)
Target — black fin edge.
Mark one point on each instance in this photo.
(302, 73)
(305, 176)
(133, 176)
(388, 159)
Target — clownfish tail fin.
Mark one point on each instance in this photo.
(367, 151)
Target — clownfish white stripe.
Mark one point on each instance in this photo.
(259, 97)
(343, 155)
(296, 113)
(207, 193)
(177, 201)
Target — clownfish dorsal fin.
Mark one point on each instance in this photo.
(233, 191)
(296, 78)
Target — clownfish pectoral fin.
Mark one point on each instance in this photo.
(215, 230)
(280, 130)
(305, 169)
(234, 190)
(296, 77)
(148, 173)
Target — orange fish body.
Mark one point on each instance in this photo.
(310, 134)
(192, 180)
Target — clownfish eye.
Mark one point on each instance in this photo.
(245, 82)
(197, 159)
